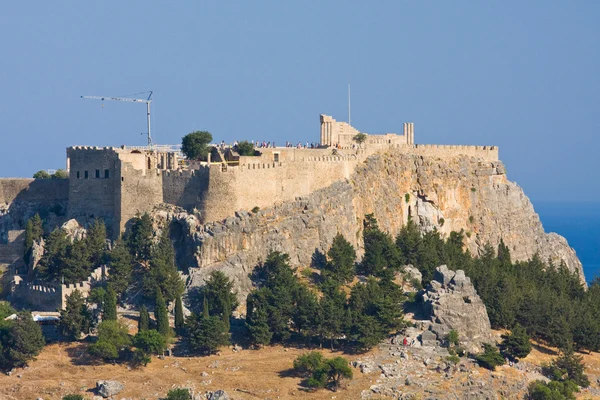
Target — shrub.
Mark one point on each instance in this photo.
(256, 209)
(73, 397)
(140, 357)
(113, 337)
(245, 148)
(490, 358)
(471, 219)
(452, 338)
(441, 221)
(322, 371)
(453, 359)
(406, 197)
(473, 190)
(179, 394)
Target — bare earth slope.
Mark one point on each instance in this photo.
(446, 193)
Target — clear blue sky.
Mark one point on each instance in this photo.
(521, 75)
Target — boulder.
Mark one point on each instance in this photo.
(218, 395)
(73, 230)
(429, 338)
(451, 302)
(108, 388)
(412, 273)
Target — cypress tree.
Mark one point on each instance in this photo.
(144, 322)
(120, 261)
(96, 243)
(110, 306)
(179, 321)
(226, 315)
(205, 308)
(161, 315)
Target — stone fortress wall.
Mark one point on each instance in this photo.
(52, 297)
(118, 183)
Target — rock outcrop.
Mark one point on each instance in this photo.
(444, 193)
(108, 388)
(451, 303)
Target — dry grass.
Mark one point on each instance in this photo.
(250, 374)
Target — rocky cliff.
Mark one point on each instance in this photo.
(445, 193)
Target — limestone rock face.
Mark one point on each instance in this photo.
(444, 193)
(451, 303)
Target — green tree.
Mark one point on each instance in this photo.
(162, 275)
(245, 148)
(257, 318)
(359, 138)
(139, 239)
(338, 369)
(161, 315)
(41, 174)
(568, 366)
(6, 310)
(341, 260)
(179, 394)
(179, 320)
(113, 338)
(517, 344)
(150, 341)
(452, 338)
(121, 266)
(490, 358)
(110, 306)
(60, 174)
(380, 251)
(553, 390)
(50, 267)
(195, 145)
(144, 321)
(306, 364)
(95, 241)
(332, 322)
(25, 340)
(220, 295)
(75, 319)
(75, 265)
(33, 232)
(206, 334)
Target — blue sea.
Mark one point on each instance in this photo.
(579, 223)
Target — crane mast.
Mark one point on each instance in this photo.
(131, 100)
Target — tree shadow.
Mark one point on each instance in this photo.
(543, 349)
(79, 355)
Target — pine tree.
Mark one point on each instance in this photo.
(110, 306)
(96, 243)
(120, 261)
(51, 265)
(25, 340)
(162, 274)
(139, 239)
(257, 318)
(179, 320)
(75, 318)
(341, 260)
(516, 344)
(144, 321)
(220, 295)
(206, 334)
(76, 265)
(161, 315)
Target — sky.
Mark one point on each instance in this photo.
(520, 75)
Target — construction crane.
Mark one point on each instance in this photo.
(131, 100)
